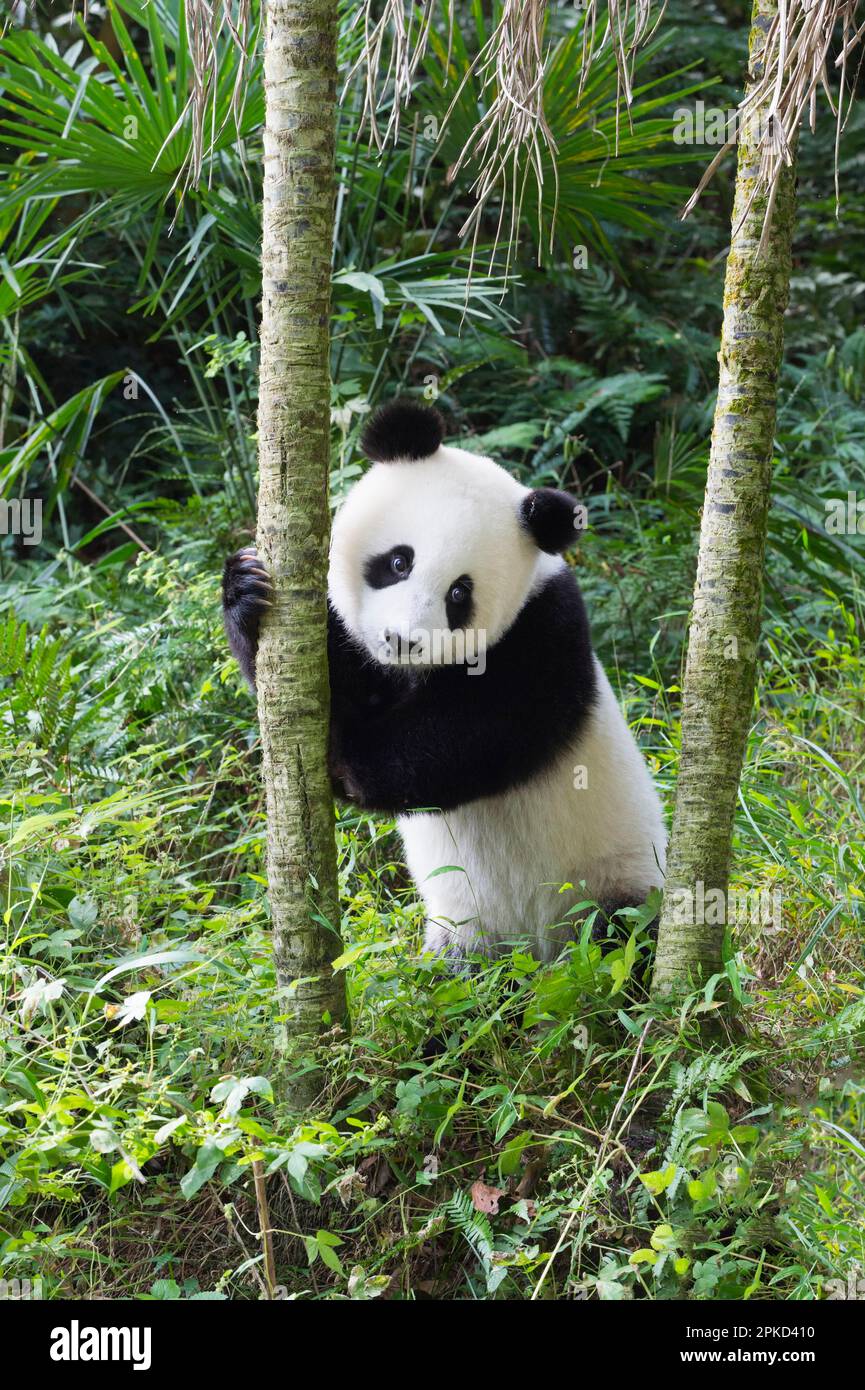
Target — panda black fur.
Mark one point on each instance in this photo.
(522, 773)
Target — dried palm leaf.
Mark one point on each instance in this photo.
(789, 74)
(206, 22)
(394, 47)
(507, 146)
(511, 138)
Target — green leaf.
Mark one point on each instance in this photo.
(659, 1180)
(65, 430)
(663, 1238)
(702, 1188)
(362, 280)
(509, 1160)
(103, 1139)
(38, 825)
(354, 953)
(207, 1160)
(121, 1174)
(147, 959)
(82, 912)
(331, 1259)
(452, 1111)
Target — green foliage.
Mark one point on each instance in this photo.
(93, 126)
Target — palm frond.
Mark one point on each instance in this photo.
(92, 126)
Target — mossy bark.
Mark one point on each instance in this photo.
(718, 694)
(294, 520)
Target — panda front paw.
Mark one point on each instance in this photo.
(246, 594)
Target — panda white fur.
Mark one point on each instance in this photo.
(466, 698)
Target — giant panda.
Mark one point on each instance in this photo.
(466, 697)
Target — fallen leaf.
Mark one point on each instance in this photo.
(486, 1199)
(351, 1187)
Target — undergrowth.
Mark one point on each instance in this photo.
(519, 1130)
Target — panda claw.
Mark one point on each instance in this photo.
(246, 582)
(253, 567)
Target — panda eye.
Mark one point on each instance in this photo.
(399, 565)
(458, 593)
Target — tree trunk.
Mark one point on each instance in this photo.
(720, 672)
(294, 520)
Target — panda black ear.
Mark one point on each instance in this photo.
(402, 432)
(550, 517)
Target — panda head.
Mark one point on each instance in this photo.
(434, 540)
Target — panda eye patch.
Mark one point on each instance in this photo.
(391, 567)
(458, 602)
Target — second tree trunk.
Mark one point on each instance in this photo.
(720, 673)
